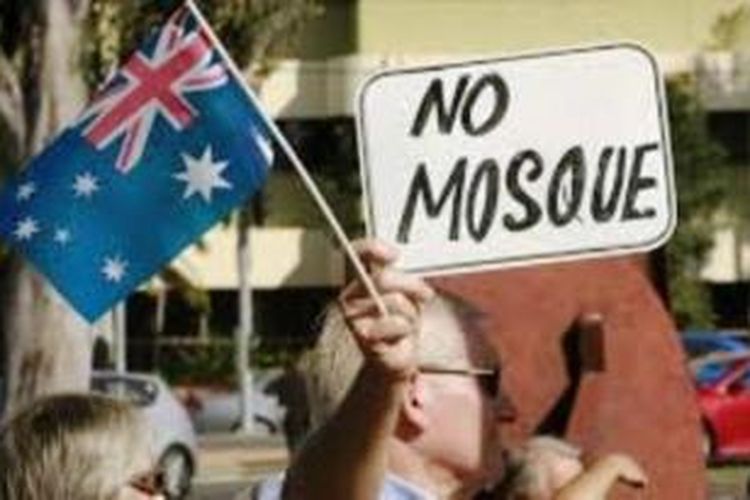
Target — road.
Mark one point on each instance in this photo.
(227, 486)
(217, 491)
(229, 464)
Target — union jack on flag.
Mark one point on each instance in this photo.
(146, 86)
(170, 145)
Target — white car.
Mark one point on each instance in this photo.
(173, 436)
(217, 408)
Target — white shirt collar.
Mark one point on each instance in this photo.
(396, 488)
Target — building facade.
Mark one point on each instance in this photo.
(313, 97)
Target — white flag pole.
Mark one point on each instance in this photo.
(297, 163)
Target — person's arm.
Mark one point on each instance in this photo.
(596, 481)
(346, 458)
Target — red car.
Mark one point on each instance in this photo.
(723, 387)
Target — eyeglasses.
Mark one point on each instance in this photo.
(151, 483)
(488, 378)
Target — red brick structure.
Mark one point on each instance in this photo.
(591, 353)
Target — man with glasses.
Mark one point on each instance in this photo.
(406, 406)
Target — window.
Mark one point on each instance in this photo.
(136, 392)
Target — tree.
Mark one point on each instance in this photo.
(47, 346)
(701, 173)
(52, 54)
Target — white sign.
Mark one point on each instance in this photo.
(519, 160)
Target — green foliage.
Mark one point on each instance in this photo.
(254, 31)
(212, 362)
(701, 176)
(728, 28)
(274, 352)
(197, 298)
(737, 199)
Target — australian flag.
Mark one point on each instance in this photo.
(170, 145)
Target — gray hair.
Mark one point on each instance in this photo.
(66, 447)
(528, 474)
(331, 367)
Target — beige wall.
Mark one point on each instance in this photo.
(387, 27)
(729, 258)
(398, 26)
(356, 38)
(280, 257)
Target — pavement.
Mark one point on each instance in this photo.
(728, 481)
(224, 458)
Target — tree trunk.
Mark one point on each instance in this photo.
(48, 346)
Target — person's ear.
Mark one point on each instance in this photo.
(413, 417)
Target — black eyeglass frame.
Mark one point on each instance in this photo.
(151, 483)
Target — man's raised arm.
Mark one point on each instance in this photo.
(346, 458)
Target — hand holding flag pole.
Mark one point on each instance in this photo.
(302, 171)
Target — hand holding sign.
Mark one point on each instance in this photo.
(388, 343)
(520, 160)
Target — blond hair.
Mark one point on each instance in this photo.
(71, 447)
(331, 367)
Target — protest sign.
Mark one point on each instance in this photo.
(518, 160)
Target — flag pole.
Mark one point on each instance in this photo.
(299, 167)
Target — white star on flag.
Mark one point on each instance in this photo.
(26, 229)
(203, 175)
(85, 185)
(62, 236)
(114, 269)
(26, 191)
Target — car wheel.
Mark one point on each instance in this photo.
(178, 473)
(264, 422)
(269, 424)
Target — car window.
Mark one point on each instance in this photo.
(137, 392)
(696, 347)
(712, 372)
